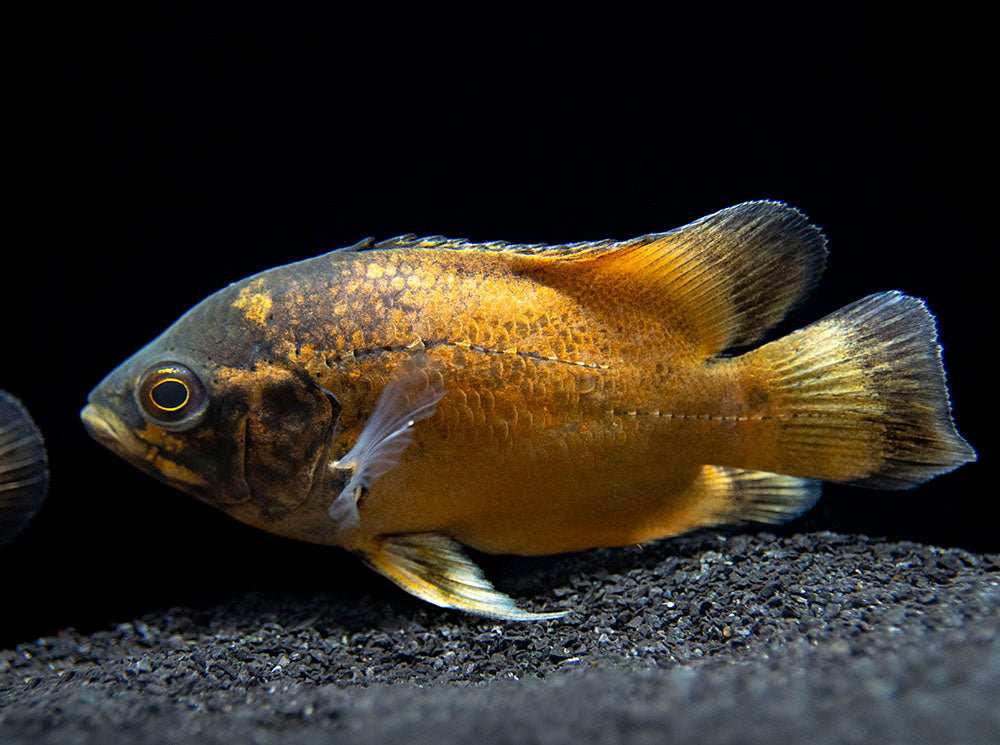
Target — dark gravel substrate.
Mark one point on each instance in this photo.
(811, 638)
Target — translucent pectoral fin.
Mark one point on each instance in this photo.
(410, 396)
(344, 509)
(433, 567)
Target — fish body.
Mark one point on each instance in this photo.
(400, 398)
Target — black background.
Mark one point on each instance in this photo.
(160, 157)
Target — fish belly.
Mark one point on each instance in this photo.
(620, 479)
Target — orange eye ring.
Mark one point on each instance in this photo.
(171, 396)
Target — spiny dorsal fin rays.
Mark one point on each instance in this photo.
(724, 279)
(581, 248)
(433, 568)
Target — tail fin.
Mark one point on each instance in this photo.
(857, 397)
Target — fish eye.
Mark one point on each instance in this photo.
(171, 396)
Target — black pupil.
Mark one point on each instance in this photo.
(169, 394)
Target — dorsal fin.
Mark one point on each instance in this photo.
(581, 248)
(721, 281)
(363, 245)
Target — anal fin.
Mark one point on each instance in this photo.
(434, 568)
(738, 495)
(728, 496)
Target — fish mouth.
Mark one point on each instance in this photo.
(108, 429)
(111, 431)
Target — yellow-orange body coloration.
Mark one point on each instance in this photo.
(585, 399)
(552, 407)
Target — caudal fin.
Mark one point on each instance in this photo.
(857, 397)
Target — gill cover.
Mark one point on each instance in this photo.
(283, 438)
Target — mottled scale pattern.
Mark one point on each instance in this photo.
(542, 389)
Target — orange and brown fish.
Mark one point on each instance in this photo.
(405, 397)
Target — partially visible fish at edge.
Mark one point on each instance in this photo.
(23, 468)
(403, 398)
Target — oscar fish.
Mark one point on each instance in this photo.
(402, 399)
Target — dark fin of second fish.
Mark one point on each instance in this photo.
(23, 472)
(410, 396)
(434, 568)
(858, 397)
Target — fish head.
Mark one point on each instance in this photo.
(208, 408)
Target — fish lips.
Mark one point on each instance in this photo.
(105, 426)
